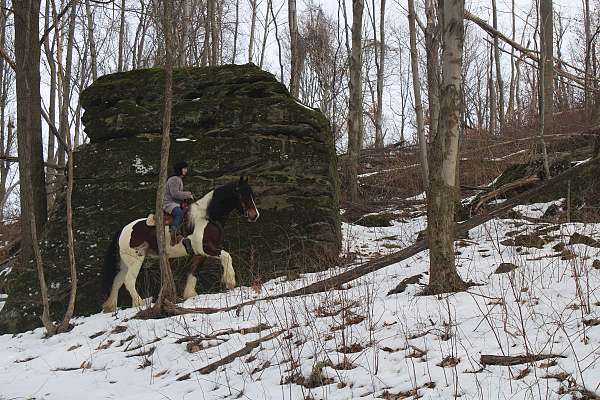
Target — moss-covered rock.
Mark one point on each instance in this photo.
(227, 121)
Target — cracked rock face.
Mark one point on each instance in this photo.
(227, 121)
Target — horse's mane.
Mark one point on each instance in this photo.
(222, 203)
(214, 206)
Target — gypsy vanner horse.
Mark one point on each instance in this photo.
(205, 220)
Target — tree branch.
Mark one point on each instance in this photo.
(16, 160)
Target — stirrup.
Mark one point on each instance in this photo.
(188, 246)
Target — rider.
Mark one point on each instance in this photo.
(174, 196)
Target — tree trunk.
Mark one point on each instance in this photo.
(29, 130)
(499, 80)
(294, 49)
(29, 137)
(443, 276)
(355, 104)
(205, 59)
(66, 91)
(120, 61)
(546, 81)
(214, 33)
(588, 48)
(265, 36)
(277, 40)
(380, 71)
(65, 325)
(432, 46)
(6, 132)
(235, 32)
(93, 52)
(493, 100)
(167, 287)
(252, 29)
(511, 94)
(416, 80)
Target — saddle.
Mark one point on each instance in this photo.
(168, 219)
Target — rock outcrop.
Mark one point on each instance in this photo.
(227, 121)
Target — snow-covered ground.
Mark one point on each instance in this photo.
(356, 342)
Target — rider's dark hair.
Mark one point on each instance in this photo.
(178, 168)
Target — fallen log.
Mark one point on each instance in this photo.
(247, 349)
(490, 359)
(527, 181)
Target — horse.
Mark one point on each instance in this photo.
(205, 220)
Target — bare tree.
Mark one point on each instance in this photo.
(167, 287)
(29, 130)
(355, 105)
(294, 49)
(253, 7)
(235, 33)
(266, 27)
(493, 103)
(546, 81)
(497, 62)
(214, 32)
(379, 57)
(121, 61)
(92, 41)
(511, 94)
(29, 137)
(432, 46)
(416, 79)
(443, 276)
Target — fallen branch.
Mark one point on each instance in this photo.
(490, 359)
(527, 181)
(527, 52)
(247, 349)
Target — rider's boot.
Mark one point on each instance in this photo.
(187, 243)
(173, 234)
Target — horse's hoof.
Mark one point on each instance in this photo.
(107, 309)
(189, 295)
(137, 303)
(230, 285)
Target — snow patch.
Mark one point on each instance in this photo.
(537, 210)
(420, 196)
(140, 168)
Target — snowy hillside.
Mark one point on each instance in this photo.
(358, 342)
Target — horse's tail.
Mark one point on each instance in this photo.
(111, 265)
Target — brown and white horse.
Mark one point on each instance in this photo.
(205, 221)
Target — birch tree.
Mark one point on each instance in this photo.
(443, 276)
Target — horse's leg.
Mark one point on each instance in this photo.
(228, 272)
(190, 284)
(110, 305)
(133, 263)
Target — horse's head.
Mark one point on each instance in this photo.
(246, 203)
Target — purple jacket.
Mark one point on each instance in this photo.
(174, 193)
